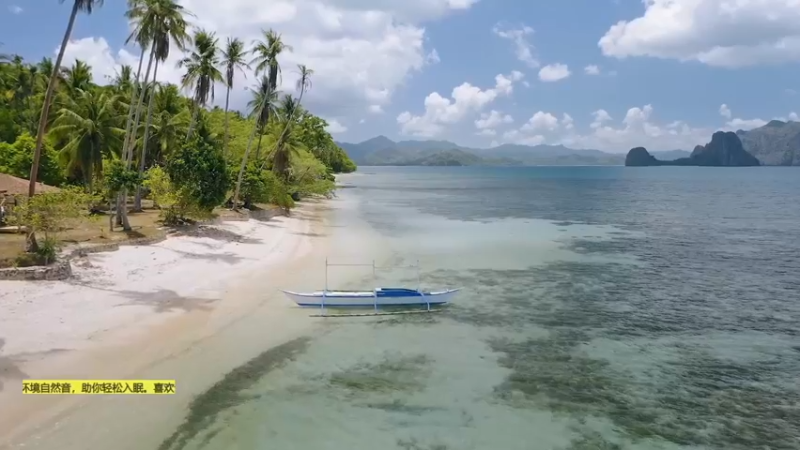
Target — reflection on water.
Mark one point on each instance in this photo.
(603, 308)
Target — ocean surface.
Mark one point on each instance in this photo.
(602, 308)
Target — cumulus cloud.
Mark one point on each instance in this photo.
(592, 70)
(96, 52)
(335, 127)
(715, 32)
(15, 9)
(724, 111)
(554, 72)
(332, 37)
(523, 49)
(466, 99)
(492, 119)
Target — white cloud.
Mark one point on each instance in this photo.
(600, 117)
(745, 124)
(491, 120)
(466, 99)
(361, 51)
(554, 72)
(375, 109)
(715, 32)
(335, 127)
(567, 122)
(724, 111)
(15, 9)
(541, 121)
(592, 70)
(793, 116)
(98, 54)
(523, 49)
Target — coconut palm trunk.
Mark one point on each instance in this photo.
(122, 199)
(48, 100)
(132, 105)
(225, 139)
(241, 169)
(137, 204)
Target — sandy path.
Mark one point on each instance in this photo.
(190, 309)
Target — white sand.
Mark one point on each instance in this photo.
(137, 285)
(188, 308)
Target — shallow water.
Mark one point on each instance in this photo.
(603, 308)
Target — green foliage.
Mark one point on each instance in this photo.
(198, 170)
(116, 178)
(16, 159)
(87, 125)
(161, 190)
(50, 213)
(262, 186)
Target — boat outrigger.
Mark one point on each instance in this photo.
(381, 296)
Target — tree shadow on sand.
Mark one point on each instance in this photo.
(9, 370)
(216, 233)
(227, 257)
(165, 300)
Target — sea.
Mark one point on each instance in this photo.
(601, 308)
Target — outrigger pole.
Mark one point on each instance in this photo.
(374, 281)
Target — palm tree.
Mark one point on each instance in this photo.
(303, 84)
(77, 77)
(266, 60)
(124, 79)
(170, 123)
(169, 26)
(263, 99)
(233, 59)
(77, 6)
(290, 144)
(201, 72)
(90, 121)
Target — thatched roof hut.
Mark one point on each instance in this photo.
(11, 185)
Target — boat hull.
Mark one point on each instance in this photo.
(368, 299)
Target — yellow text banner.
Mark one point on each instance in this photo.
(96, 387)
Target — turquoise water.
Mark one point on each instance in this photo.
(603, 308)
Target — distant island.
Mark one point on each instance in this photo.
(774, 144)
(724, 150)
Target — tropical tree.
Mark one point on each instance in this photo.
(77, 6)
(124, 79)
(233, 59)
(90, 124)
(168, 26)
(303, 84)
(266, 60)
(201, 72)
(263, 99)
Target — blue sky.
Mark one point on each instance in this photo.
(666, 67)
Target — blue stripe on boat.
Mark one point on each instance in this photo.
(369, 305)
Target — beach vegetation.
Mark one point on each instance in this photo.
(48, 213)
(133, 142)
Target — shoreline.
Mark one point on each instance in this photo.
(177, 327)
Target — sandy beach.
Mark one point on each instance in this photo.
(190, 308)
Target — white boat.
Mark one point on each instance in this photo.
(376, 297)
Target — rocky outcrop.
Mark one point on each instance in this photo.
(724, 150)
(640, 157)
(775, 144)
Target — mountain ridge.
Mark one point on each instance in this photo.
(380, 151)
